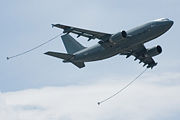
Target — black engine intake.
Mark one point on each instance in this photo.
(154, 51)
(116, 38)
(124, 34)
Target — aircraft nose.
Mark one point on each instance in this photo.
(169, 23)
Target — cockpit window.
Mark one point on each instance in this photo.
(162, 19)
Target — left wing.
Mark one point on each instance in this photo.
(139, 52)
(83, 32)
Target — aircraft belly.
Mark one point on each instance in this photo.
(100, 56)
(143, 34)
(96, 53)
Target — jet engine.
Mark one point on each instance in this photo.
(116, 38)
(154, 51)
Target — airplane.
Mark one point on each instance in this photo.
(129, 43)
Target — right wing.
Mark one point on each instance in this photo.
(83, 32)
(139, 52)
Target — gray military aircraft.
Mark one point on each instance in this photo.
(127, 43)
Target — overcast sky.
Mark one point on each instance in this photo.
(25, 24)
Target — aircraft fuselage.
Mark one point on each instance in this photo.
(136, 36)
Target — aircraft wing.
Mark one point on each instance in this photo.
(139, 52)
(83, 32)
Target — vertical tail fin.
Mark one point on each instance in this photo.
(71, 44)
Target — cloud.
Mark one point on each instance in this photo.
(142, 100)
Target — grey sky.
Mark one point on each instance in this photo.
(24, 24)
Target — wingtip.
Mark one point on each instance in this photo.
(47, 53)
(52, 25)
(98, 103)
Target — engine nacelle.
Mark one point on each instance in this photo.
(116, 38)
(154, 51)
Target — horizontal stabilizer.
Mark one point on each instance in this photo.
(79, 64)
(60, 55)
(66, 57)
